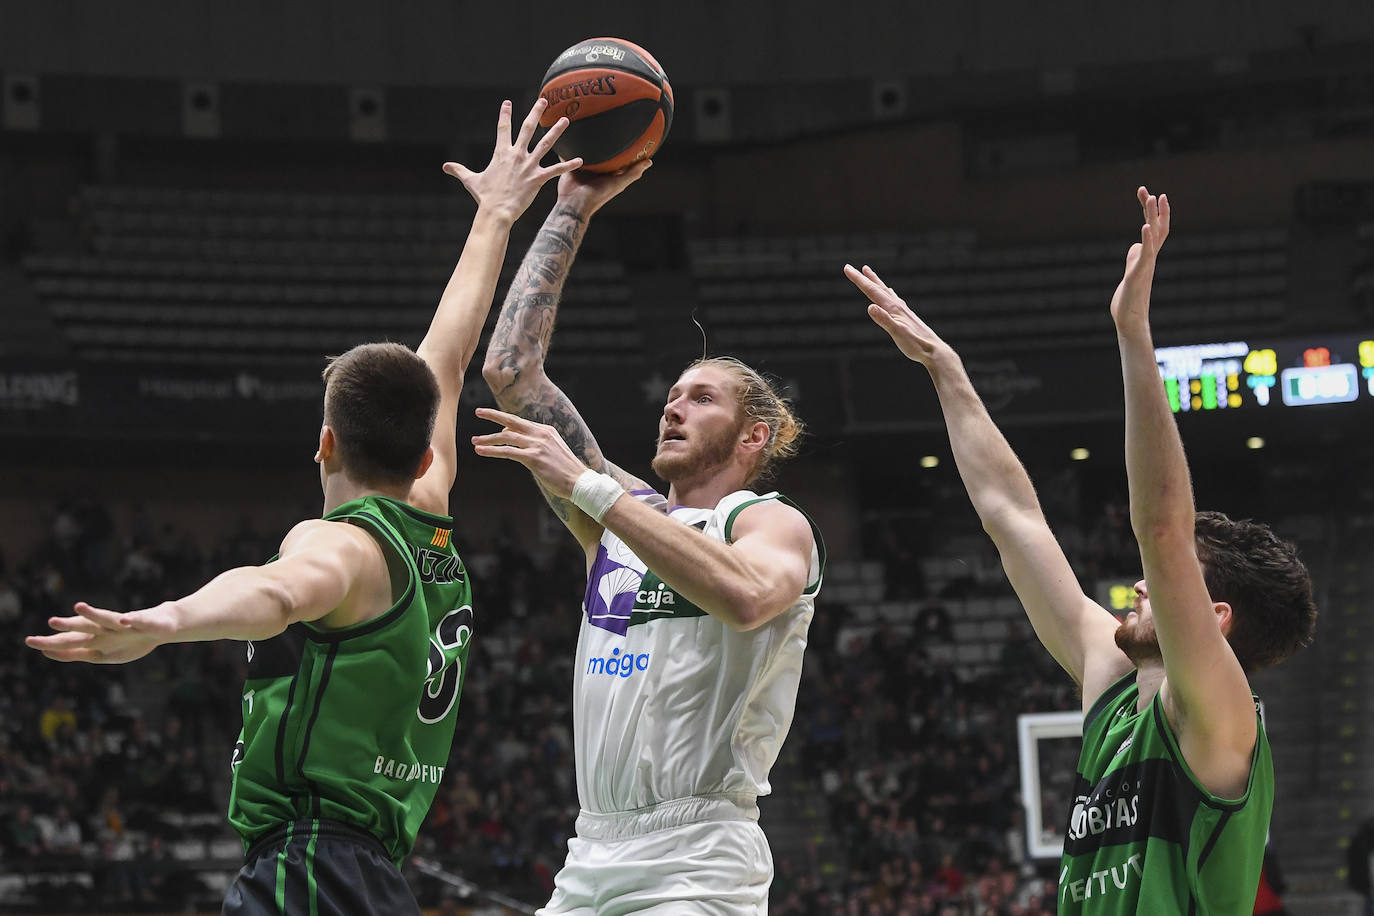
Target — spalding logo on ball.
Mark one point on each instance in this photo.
(617, 101)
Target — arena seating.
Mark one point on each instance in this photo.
(231, 277)
(788, 294)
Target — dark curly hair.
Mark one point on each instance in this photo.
(1268, 587)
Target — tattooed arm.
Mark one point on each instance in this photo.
(514, 366)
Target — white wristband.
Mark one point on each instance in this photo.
(595, 493)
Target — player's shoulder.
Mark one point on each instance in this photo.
(325, 533)
(746, 511)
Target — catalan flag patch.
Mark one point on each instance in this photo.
(441, 536)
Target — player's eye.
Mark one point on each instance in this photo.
(704, 399)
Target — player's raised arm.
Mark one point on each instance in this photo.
(503, 191)
(329, 572)
(1206, 695)
(514, 365)
(1075, 629)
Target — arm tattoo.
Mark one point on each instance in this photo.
(525, 325)
(520, 343)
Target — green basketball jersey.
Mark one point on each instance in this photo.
(1144, 835)
(356, 724)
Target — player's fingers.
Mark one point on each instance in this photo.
(562, 167)
(1164, 210)
(872, 285)
(107, 619)
(883, 318)
(873, 275)
(861, 280)
(75, 655)
(501, 451)
(465, 175)
(58, 641)
(503, 124)
(531, 121)
(75, 625)
(504, 437)
(546, 142)
(509, 420)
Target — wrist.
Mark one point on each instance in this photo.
(174, 613)
(578, 207)
(595, 493)
(1133, 327)
(493, 217)
(944, 361)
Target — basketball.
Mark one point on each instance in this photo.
(617, 101)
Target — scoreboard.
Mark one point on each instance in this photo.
(1333, 369)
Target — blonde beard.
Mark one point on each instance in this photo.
(710, 456)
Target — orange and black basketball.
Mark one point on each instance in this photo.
(617, 101)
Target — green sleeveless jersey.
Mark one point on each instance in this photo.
(1145, 836)
(356, 724)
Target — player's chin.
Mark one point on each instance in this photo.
(1138, 643)
(670, 462)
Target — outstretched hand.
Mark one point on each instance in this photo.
(537, 446)
(105, 637)
(1131, 301)
(509, 183)
(890, 312)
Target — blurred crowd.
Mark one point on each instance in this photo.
(113, 780)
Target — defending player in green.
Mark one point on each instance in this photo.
(358, 630)
(1175, 784)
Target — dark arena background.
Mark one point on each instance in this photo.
(200, 200)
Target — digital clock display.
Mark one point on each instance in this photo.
(1292, 373)
(1336, 384)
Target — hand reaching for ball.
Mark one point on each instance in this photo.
(588, 192)
(508, 184)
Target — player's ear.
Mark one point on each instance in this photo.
(425, 462)
(1225, 618)
(755, 436)
(327, 443)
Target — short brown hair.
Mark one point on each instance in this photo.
(380, 399)
(1268, 587)
(759, 401)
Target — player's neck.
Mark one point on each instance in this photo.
(340, 489)
(1149, 678)
(703, 493)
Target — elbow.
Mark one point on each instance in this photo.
(742, 620)
(506, 376)
(1165, 533)
(1000, 521)
(748, 609)
(494, 373)
(287, 608)
(995, 523)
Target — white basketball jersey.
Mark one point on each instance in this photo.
(670, 702)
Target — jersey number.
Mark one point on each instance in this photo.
(441, 686)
